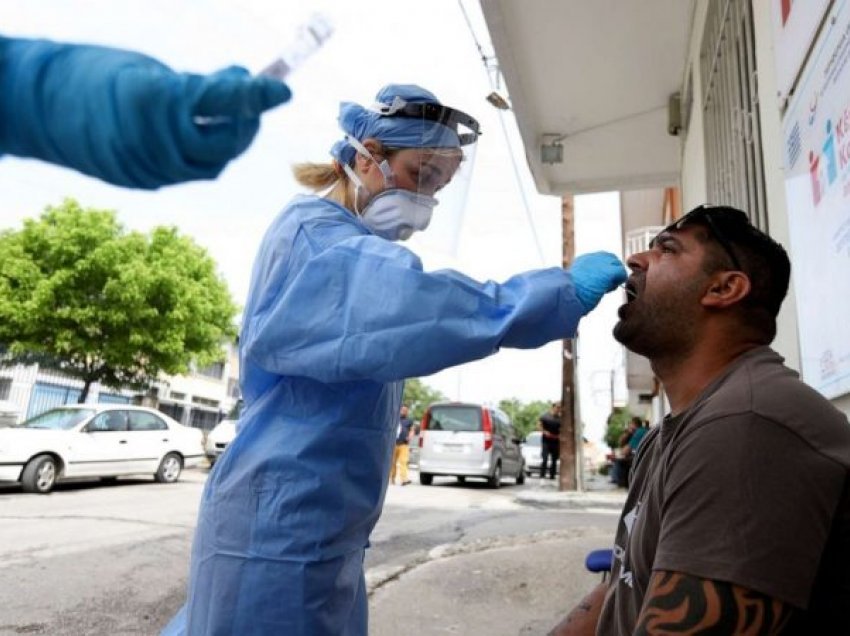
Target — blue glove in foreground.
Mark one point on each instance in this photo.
(594, 275)
(124, 117)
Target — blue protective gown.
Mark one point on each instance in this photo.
(335, 320)
(124, 117)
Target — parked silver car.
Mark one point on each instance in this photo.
(531, 452)
(469, 440)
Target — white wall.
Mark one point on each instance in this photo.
(694, 190)
(787, 341)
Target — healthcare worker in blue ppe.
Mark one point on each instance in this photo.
(124, 117)
(338, 315)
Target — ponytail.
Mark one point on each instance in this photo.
(317, 176)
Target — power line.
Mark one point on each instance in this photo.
(493, 74)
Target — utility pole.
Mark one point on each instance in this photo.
(569, 446)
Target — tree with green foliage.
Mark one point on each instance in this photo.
(617, 422)
(99, 303)
(418, 396)
(524, 415)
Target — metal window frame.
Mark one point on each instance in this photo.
(730, 103)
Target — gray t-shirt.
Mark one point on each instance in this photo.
(750, 486)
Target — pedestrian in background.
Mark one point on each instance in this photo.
(401, 451)
(550, 449)
(629, 442)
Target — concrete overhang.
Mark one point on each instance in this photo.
(599, 73)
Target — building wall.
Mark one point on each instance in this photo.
(202, 399)
(694, 168)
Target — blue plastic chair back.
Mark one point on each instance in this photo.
(599, 560)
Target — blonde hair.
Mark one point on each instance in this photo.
(318, 176)
(325, 176)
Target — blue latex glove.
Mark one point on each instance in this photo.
(594, 275)
(125, 117)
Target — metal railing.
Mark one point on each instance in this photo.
(638, 240)
(732, 127)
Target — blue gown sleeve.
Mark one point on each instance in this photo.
(125, 117)
(364, 309)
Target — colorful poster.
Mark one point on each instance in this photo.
(816, 131)
(795, 23)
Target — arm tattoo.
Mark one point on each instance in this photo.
(676, 603)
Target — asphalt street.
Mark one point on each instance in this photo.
(106, 558)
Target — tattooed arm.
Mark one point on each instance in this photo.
(582, 620)
(677, 603)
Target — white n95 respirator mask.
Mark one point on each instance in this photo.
(396, 214)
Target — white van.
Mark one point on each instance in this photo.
(469, 440)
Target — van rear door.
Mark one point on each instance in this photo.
(455, 436)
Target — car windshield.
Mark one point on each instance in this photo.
(58, 419)
(533, 439)
(455, 418)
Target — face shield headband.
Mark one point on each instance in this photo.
(451, 118)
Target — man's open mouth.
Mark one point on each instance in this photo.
(631, 291)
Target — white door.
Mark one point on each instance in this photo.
(101, 447)
(149, 440)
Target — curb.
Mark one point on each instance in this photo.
(379, 576)
(575, 500)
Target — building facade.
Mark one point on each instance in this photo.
(676, 103)
(201, 398)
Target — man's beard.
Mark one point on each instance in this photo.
(659, 327)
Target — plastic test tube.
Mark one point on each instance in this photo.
(310, 37)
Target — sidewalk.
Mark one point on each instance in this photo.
(504, 585)
(598, 492)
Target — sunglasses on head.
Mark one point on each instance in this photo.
(712, 218)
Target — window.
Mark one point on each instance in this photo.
(214, 370)
(142, 421)
(455, 418)
(108, 422)
(205, 402)
(205, 420)
(732, 127)
(5, 388)
(174, 411)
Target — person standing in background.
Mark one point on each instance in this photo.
(550, 425)
(401, 451)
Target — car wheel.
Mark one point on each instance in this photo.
(520, 476)
(425, 479)
(495, 480)
(39, 475)
(169, 469)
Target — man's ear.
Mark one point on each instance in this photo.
(726, 289)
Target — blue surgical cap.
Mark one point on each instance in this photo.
(395, 132)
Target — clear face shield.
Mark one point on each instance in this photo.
(430, 172)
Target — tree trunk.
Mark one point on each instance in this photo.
(85, 392)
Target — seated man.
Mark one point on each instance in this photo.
(738, 517)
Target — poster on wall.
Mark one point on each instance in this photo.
(816, 132)
(795, 23)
